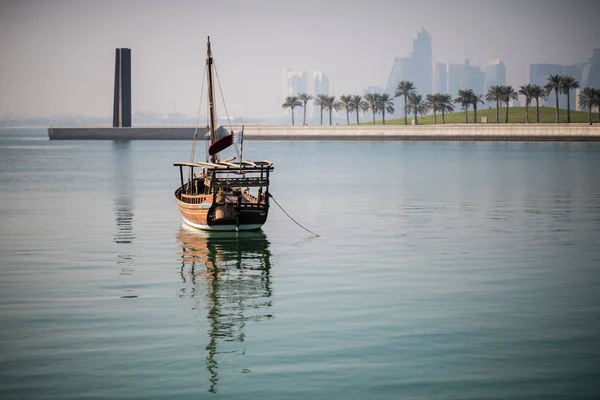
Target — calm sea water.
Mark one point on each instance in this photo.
(444, 270)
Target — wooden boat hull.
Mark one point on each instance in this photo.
(208, 216)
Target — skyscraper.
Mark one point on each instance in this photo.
(295, 82)
(416, 68)
(320, 83)
(454, 73)
(590, 73)
(590, 76)
(473, 78)
(422, 56)
(441, 78)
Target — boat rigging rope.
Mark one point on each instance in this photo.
(290, 217)
(193, 155)
(222, 97)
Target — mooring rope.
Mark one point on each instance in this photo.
(290, 217)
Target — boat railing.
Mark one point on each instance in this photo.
(222, 167)
(193, 198)
(239, 182)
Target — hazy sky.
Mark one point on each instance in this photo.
(57, 57)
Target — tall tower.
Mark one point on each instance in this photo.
(122, 98)
(441, 78)
(295, 82)
(320, 83)
(416, 68)
(423, 63)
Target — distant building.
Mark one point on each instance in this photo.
(578, 105)
(416, 68)
(373, 89)
(590, 75)
(590, 72)
(422, 56)
(454, 73)
(450, 78)
(587, 74)
(295, 82)
(441, 78)
(474, 78)
(320, 85)
(539, 73)
(495, 74)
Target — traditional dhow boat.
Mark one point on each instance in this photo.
(228, 195)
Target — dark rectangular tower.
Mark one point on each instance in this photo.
(122, 99)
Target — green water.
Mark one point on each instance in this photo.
(444, 270)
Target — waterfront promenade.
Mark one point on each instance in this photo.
(495, 132)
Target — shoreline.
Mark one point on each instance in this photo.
(466, 132)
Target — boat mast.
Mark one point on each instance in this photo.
(211, 103)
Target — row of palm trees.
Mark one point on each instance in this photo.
(377, 103)
(443, 103)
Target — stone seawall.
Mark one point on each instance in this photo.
(497, 132)
(134, 133)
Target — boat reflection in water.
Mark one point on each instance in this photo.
(123, 207)
(231, 271)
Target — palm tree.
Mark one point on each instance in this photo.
(538, 93)
(371, 100)
(495, 94)
(345, 103)
(446, 105)
(555, 83)
(357, 106)
(405, 89)
(416, 105)
(477, 98)
(527, 92)
(589, 98)
(385, 103)
(320, 101)
(569, 83)
(508, 94)
(304, 98)
(465, 98)
(433, 103)
(291, 102)
(329, 105)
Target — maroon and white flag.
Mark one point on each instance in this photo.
(225, 142)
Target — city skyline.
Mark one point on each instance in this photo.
(58, 56)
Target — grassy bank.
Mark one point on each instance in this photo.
(515, 115)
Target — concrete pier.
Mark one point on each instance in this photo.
(489, 132)
(134, 133)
